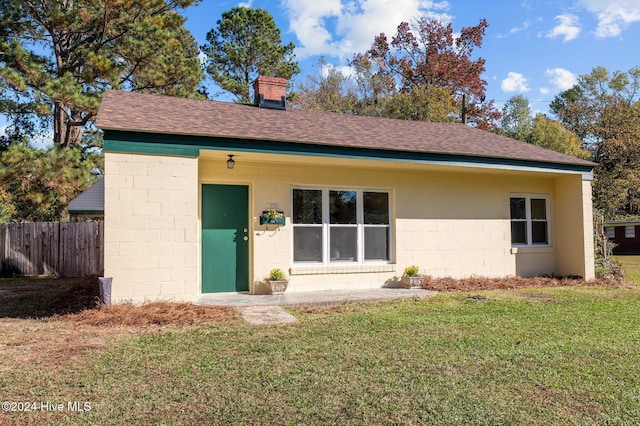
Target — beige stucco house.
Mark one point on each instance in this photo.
(187, 181)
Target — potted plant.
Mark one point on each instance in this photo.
(272, 217)
(411, 279)
(277, 281)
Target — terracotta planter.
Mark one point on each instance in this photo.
(413, 282)
(278, 286)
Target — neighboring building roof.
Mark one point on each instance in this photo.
(91, 201)
(627, 222)
(135, 112)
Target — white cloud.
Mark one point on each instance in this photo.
(515, 82)
(568, 28)
(202, 58)
(345, 70)
(42, 141)
(524, 26)
(343, 27)
(561, 78)
(614, 16)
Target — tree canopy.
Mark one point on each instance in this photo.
(364, 94)
(57, 58)
(517, 121)
(327, 90)
(428, 54)
(37, 185)
(603, 109)
(245, 44)
(584, 107)
(421, 75)
(553, 135)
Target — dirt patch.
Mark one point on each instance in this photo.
(545, 298)
(46, 297)
(63, 340)
(51, 343)
(54, 322)
(475, 284)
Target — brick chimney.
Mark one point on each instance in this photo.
(270, 92)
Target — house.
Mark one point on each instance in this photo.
(89, 204)
(188, 181)
(625, 235)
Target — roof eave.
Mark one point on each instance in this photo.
(190, 145)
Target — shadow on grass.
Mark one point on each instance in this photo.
(46, 297)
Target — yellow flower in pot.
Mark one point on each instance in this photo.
(277, 281)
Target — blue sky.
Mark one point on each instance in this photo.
(533, 48)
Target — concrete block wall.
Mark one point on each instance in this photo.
(450, 222)
(151, 227)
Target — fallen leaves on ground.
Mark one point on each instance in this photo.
(156, 313)
(481, 283)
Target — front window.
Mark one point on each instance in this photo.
(529, 220)
(307, 232)
(340, 226)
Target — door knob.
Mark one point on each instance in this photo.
(246, 238)
(245, 230)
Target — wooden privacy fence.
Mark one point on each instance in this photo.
(67, 249)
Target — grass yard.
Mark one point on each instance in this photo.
(563, 355)
(631, 266)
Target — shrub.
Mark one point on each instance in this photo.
(607, 268)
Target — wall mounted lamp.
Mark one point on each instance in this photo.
(230, 162)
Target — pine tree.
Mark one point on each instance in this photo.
(57, 57)
(246, 44)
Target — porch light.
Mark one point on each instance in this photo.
(230, 162)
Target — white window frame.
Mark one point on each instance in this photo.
(359, 225)
(610, 232)
(629, 231)
(529, 221)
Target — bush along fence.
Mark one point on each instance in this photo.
(66, 249)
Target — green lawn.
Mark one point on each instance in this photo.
(631, 266)
(537, 356)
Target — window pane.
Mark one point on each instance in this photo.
(307, 206)
(518, 232)
(539, 233)
(342, 207)
(376, 208)
(611, 232)
(376, 243)
(538, 208)
(343, 243)
(629, 231)
(518, 210)
(307, 243)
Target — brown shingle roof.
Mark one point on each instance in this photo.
(134, 112)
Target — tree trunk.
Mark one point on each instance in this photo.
(65, 132)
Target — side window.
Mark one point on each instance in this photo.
(529, 220)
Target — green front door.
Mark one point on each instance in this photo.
(225, 238)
